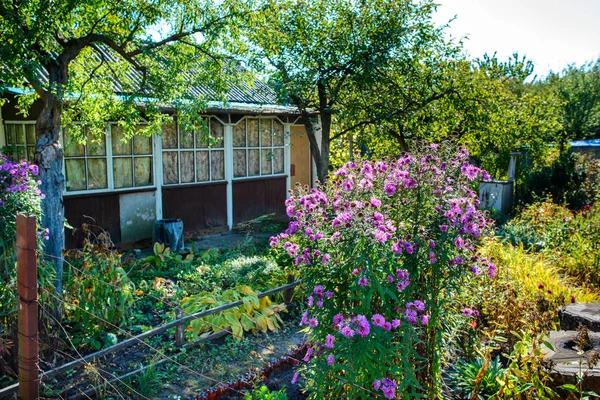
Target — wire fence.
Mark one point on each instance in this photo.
(108, 379)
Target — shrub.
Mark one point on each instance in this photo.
(565, 180)
(465, 380)
(383, 248)
(96, 285)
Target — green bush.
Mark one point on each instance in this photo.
(464, 378)
(565, 180)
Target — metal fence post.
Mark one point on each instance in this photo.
(28, 307)
(180, 329)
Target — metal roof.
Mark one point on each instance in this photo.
(586, 143)
(256, 92)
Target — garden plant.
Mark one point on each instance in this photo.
(383, 249)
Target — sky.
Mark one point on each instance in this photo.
(551, 33)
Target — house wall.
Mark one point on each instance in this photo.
(128, 214)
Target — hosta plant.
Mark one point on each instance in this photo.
(382, 248)
(254, 315)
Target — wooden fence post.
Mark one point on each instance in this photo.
(179, 330)
(28, 307)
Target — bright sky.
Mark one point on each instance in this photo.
(551, 33)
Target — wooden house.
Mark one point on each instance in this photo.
(257, 150)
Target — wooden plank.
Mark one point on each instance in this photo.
(199, 206)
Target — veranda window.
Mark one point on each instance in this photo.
(258, 147)
(193, 156)
(85, 164)
(20, 140)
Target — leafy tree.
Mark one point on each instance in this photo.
(96, 60)
(579, 89)
(485, 104)
(317, 52)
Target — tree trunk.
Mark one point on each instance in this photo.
(49, 158)
(320, 153)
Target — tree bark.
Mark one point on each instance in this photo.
(49, 158)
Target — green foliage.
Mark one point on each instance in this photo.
(254, 315)
(527, 376)
(565, 180)
(579, 90)
(570, 241)
(321, 54)
(465, 375)
(263, 393)
(96, 285)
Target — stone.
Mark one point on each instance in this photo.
(586, 314)
(565, 360)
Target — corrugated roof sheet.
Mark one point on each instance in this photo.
(586, 143)
(242, 92)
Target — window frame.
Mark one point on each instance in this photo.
(109, 157)
(25, 145)
(194, 150)
(272, 147)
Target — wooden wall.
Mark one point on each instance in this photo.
(98, 211)
(199, 206)
(255, 197)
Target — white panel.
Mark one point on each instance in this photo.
(138, 213)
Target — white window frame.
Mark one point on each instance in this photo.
(284, 147)
(194, 149)
(110, 166)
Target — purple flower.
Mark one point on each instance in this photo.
(338, 319)
(325, 258)
(309, 353)
(311, 301)
(329, 341)
(330, 360)
(313, 322)
(363, 281)
(424, 319)
(329, 294)
(363, 330)
(377, 384)
(444, 228)
(396, 323)
(295, 378)
(375, 202)
(347, 331)
(378, 320)
(390, 189)
(419, 305)
(459, 242)
(389, 392)
(348, 185)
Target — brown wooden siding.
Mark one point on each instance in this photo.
(256, 197)
(199, 206)
(98, 211)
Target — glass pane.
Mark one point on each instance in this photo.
(169, 133)
(122, 172)
(10, 134)
(75, 175)
(202, 166)
(202, 135)
(72, 148)
(20, 133)
(30, 134)
(253, 163)
(186, 139)
(217, 165)
(278, 133)
(239, 135)
(119, 147)
(96, 146)
(143, 171)
(252, 133)
(187, 166)
(265, 165)
(142, 145)
(216, 131)
(97, 173)
(30, 153)
(265, 133)
(170, 167)
(239, 163)
(278, 164)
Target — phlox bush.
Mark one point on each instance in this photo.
(382, 248)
